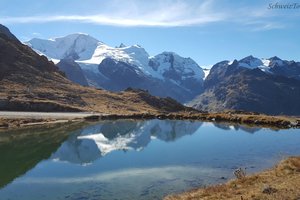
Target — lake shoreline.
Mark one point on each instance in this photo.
(250, 119)
(280, 182)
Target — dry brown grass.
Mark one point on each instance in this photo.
(280, 183)
(63, 95)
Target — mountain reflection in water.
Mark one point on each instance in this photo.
(98, 140)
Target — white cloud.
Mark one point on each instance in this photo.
(169, 14)
(116, 21)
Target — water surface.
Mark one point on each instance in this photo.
(133, 159)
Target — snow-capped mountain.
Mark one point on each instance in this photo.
(273, 65)
(117, 68)
(252, 63)
(77, 46)
(285, 68)
(169, 64)
(133, 55)
(270, 86)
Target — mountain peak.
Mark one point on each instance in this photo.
(274, 58)
(248, 58)
(75, 36)
(250, 62)
(78, 46)
(169, 53)
(122, 45)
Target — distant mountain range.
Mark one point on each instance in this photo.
(29, 82)
(115, 69)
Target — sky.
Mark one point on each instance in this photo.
(208, 31)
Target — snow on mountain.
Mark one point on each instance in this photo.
(77, 46)
(266, 62)
(275, 61)
(133, 55)
(171, 64)
(251, 62)
(206, 72)
(290, 69)
(272, 66)
(89, 52)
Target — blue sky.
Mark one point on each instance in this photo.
(207, 31)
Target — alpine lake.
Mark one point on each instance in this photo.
(133, 160)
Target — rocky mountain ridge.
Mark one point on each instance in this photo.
(252, 85)
(117, 68)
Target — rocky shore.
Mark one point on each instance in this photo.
(253, 119)
(250, 119)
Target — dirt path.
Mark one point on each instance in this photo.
(10, 119)
(45, 115)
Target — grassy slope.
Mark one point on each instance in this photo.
(281, 182)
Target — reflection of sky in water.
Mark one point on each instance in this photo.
(149, 159)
